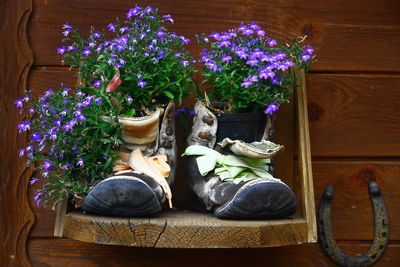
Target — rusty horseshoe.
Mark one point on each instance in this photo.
(327, 240)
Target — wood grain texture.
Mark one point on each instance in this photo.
(16, 59)
(64, 252)
(354, 115)
(304, 158)
(173, 229)
(341, 33)
(352, 211)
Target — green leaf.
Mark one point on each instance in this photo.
(168, 94)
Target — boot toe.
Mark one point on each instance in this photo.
(259, 199)
(123, 196)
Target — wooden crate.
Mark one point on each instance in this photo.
(187, 229)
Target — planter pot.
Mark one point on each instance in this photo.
(247, 127)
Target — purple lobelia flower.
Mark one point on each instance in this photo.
(97, 83)
(61, 50)
(38, 199)
(86, 52)
(79, 162)
(271, 108)
(33, 180)
(111, 28)
(47, 165)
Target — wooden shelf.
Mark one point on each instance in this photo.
(184, 229)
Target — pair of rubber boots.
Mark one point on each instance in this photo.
(133, 194)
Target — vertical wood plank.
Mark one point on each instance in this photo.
(305, 170)
(16, 60)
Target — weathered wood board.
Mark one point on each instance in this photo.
(66, 252)
(356, 36)
(184, 229)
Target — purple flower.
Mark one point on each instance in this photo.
(66, 32)
(47, 165)
(61, 50)
(272, 42)
(19, 103)
(58, 122)
(261, 33)
(265, 74)
(78, 112)
(38, 199)
(160, 34)
(247, 31)
(79, 162)
(65, 92)
(64, 112)
(280, 55)
(97, 83)
(24, 126)
(66, 166)
(185, 63)
(21, 152)
(224, 43)
(66, 26)
(129, 99)
(86, 52)
(247, 82)
(68, 127)
(123, 29)
(178, 54)
(141, 83)
(92, 44)
(253, 78)
(36, 137)
(96, 35)
(305, 57)
(169, 18)
(216, 36)
(33, 180)
(71, 47)
(48, 92)
(161, 54)
(309, 50)
(226, 58)
(98, 101)
(133, 12)
(271, 108)
(111, 27)
(252, 62)
(185, 40)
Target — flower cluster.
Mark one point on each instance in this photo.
(151, 62)
(249, 70)
(69, 142)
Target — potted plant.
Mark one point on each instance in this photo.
(140, 63)
(251, 75)
(129, 78)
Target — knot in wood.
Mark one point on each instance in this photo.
(315, 111)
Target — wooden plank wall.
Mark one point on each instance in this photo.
(354, 105)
